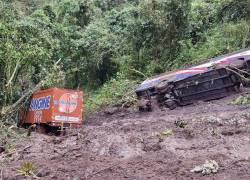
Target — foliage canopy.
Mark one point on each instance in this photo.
(101, 40)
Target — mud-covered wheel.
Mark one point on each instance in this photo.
(237, 81)
(160, 98)
(144, 105)
(40, 128)
(171, 104)
(237, 88)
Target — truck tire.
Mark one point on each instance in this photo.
(40, 128)
(171, 104)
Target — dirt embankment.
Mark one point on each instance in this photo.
(131, 145)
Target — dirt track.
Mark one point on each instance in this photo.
(130, 145)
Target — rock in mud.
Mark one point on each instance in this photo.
(209, 167)
(214, 120)
(42, 173)
(152, 144)
(57, 141)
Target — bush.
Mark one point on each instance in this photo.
(219, 40)
(119, 91)
(242, 100)
(94, 40)
(9, 136)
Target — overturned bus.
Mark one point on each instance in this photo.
(217, 78)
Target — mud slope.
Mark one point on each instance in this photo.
(130, 145)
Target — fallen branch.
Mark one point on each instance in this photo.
(15, 107)
(238, 73)
(13, 74)
(139, 72)
(14, 151)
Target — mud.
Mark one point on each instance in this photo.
(127, 144)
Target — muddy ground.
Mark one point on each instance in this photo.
(130, 145)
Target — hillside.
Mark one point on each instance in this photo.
(108, 43)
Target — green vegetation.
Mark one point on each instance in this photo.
(242, 100)
(105, 47)
(9, 136)
(27, 169)
(167, 132)
(118, 91)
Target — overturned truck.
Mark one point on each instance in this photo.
(217, 78)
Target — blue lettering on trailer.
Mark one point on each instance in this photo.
(40, 103)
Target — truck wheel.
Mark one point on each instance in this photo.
(171, 104)
(237, 88)
(41, 129)
(160, 98)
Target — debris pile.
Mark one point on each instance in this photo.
(209, 167)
